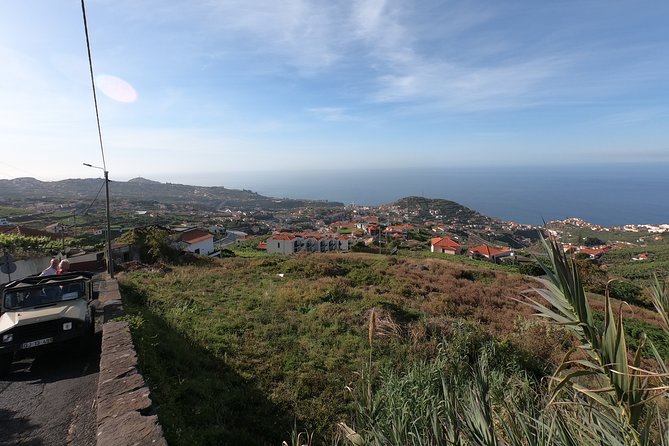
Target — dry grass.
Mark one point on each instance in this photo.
(296, 328)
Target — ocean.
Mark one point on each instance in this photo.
(608, 194)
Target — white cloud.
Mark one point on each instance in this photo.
(336, 114)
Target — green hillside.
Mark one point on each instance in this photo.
(244, 350)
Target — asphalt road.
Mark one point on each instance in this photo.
(49, 399)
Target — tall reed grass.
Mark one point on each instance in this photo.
(600, 394)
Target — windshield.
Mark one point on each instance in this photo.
(43, 295)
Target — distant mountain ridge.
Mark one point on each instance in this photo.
(143, 190)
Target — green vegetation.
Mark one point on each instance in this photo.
(392, 350)
(461, 260)
(297, 341)
(249, 247)
(23, 246)
(10, 211)
(599, 394)
(154, 242)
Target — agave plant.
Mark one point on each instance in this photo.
(597, 396)
(623, 390)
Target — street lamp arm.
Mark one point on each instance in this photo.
(94, 167)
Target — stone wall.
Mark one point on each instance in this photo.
(124, 410)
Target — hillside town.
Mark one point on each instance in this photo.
(414, 224)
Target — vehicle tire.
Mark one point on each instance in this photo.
(6, 363)
(86, 342)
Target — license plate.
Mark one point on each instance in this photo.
(37, 343)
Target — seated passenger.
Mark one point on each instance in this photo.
(63, 267)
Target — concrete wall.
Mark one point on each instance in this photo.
(25, 268)
(280, 246)
(205, 246)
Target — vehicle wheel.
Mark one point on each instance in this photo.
(86, 343)
(6, 363)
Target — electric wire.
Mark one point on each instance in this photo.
(94, 199)
(95, 96)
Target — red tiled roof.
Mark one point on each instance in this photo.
(488, 251)
(28, 232)
(283, 236)
(315, 235)
(262, 245)
(195, 236)
(445, 242)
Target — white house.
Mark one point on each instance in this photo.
(198, 241)
(282, 243)
(444, 245)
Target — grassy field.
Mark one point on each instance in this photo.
(621, 264)
(9, 211)
(244, 350)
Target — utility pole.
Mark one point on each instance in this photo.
(110, 260)
(61, 229)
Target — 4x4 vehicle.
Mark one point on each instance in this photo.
(42, 310)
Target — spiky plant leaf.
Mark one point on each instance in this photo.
(660, 300)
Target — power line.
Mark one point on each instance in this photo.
(95, 96)
(96, 197)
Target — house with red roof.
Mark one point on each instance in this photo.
(282, 243)
(445, 245)
(489, 253)
(569, 249)
(594, 253)
(398, 229)
(198, 241)
(28, 232)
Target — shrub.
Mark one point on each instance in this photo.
(626, 291)
(530, 269)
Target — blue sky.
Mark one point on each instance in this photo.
(200, 87)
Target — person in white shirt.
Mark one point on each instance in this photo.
(52, 270)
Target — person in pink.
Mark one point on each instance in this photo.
(63, 267)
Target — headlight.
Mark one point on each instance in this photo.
(67, 326)
(9, 337)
